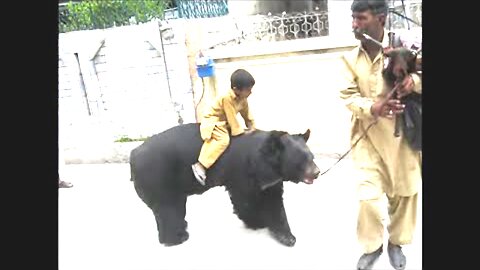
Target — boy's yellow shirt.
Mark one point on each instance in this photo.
(223, 113)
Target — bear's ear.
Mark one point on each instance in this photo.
(273, 146)
(272, 149)
(306, 135)
(268, 168)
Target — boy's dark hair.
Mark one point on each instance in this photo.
(376, 6)
(241, 79)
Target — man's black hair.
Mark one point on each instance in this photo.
(376, 6)
(241, 79)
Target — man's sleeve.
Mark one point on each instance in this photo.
(417, 83)
(350, 93)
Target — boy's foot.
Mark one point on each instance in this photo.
(63, 184)
(199, 173)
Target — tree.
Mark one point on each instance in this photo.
(99, 14)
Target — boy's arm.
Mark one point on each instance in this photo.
(231, 116)
(247, 116)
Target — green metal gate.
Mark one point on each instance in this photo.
(201, 8)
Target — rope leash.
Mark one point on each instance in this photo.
(356, 142)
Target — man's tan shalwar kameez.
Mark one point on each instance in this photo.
(384, 163)
(220, 121)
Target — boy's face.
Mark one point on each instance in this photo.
(243, 92)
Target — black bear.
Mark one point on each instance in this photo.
(252, 169)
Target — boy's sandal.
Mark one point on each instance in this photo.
(198, 175)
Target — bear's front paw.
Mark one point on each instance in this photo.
(181, 237)
(285, 238)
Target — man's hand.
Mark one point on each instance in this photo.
(406, 87)
(387, 50)
(387, 108)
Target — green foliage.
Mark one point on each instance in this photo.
(100, 14)
(127, 139)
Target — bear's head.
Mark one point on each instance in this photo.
(288, 158)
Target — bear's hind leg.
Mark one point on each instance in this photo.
(171, 224)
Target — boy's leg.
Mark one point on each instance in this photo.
(61, 166)
(211, 150)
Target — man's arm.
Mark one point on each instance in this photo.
(417, 83)
(412, 39)
(364, 107)
(411, 83)
(350, 93)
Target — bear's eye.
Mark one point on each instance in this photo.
(301, 163)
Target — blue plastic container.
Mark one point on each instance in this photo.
(206, 70)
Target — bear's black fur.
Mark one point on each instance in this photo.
(252, 169)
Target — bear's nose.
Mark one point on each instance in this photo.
(316, 172)
(313, 170)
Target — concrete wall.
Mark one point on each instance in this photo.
(241, 8)
(125, 74)
(340, 20)
(115, 82)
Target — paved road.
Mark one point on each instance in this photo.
(104, 225)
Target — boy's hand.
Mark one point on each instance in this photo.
(247, 131)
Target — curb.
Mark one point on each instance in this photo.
(98, 154)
